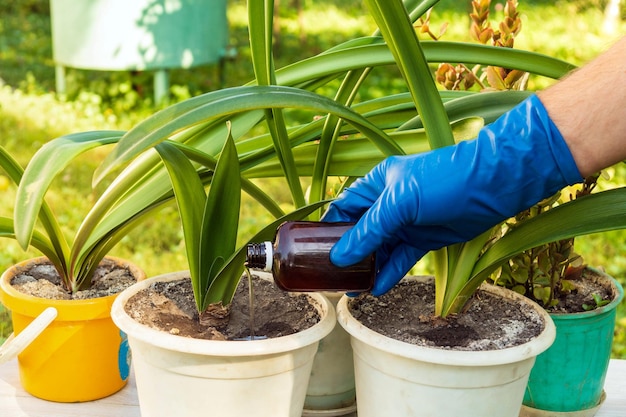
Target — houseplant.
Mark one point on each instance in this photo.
(568, 378)
(59, 365)
(213, 373)
(391, 125)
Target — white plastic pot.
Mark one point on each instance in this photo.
(180, 376)
(331, 386)
(395, 378)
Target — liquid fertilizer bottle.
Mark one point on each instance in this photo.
(299, 259)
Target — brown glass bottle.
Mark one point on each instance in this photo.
(299, 259)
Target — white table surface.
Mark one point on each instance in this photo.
(15, 402)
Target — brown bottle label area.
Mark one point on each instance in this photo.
(302, 260)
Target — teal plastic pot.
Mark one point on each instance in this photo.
(569, 376)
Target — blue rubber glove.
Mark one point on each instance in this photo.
(409, 205)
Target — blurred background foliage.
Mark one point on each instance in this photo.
(31, 113)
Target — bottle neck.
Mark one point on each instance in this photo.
(259, 256)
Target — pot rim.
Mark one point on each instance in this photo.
(74, 309)
(219, 347)
(619, 296)
(453, 357)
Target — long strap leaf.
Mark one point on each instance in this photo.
(397, 29)
(220, 220)
(370, 52)
(599, 212)
(55, 246)
(236, 100)
(260, 18)
(191, 198)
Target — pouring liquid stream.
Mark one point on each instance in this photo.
(251, 308)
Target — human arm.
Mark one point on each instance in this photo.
(589, 108)
(407, 206)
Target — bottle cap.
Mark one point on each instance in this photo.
(259, 255)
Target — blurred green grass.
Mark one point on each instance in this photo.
(31, 114)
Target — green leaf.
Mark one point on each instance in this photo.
(248, 186)
(10, 166)
(53, 157)
(397, 29)
(599, 212)
(520, 289)
(39, 241)
(594, 213)
(461, 260)
(220, 220)
(520, 275)
(278, 130)
(542, 294)
(261, 17)
(567, 285)
(260, 22)
(217, 104)
(370, 52)
(190, 197)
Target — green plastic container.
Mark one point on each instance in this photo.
(144, 35)
(116, 35)
(570, 375)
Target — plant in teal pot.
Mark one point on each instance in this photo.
(568, 378)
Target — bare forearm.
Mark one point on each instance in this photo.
(589, 108)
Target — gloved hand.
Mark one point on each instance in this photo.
(409, 205)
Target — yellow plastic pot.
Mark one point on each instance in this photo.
(81, 355)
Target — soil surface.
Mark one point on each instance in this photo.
(489, 322)
(587, 283)
(43, 281)
(406, 313)
(169, 306)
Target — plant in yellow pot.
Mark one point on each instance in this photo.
(80, 355)
(81, 331)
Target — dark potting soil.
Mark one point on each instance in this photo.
(586, 282)
(406, 313)
(488, 322)
(169, 306)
